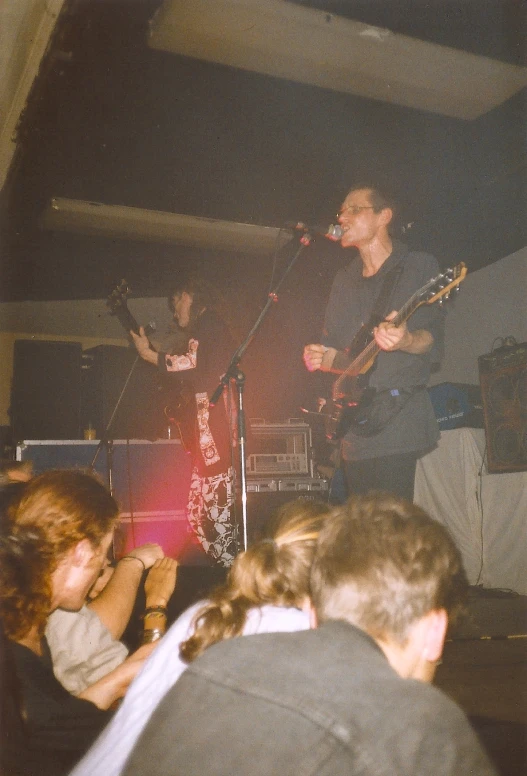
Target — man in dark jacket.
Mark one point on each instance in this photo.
(351, 696)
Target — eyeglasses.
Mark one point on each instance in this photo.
(354, 209)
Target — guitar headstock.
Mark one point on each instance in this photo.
(117, 299)
(440, 287)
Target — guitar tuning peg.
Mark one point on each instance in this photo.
(447, 295)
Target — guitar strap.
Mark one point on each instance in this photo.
(379, 310)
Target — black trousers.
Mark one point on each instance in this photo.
(392, 473)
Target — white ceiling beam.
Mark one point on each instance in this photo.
(285, 40)
(133, 223)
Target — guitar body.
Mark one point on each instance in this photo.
(342, 409)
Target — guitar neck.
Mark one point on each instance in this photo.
(126, 319)
(437, 288)
(372, 350)
(128, 322)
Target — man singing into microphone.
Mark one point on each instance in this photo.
(388, 435)
(201, 352)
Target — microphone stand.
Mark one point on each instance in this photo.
(234, 373)
(106, 442)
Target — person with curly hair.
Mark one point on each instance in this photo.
(54, 542)
(267, 590)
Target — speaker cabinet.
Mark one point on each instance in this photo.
(266, 496)
(503, 379)
(113, 377)
(45, 398)
(150, 482)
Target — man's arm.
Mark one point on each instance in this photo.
(390, 337)
(114, 685)
(115, 603)
(142, 345)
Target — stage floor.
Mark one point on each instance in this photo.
(484, 670)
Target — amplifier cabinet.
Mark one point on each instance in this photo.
(280, 449)
(503, 380)
(266, 496)
(298, 485)
(150, 481)
(169, 529)
(146, 476)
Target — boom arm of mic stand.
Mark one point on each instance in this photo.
(233, 372)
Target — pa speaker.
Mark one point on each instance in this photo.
(503, 379)
(45, 398)
(120, 389)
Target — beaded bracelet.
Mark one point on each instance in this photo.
(134, 557)
(159, 610)
(155, 615)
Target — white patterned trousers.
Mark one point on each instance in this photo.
(210, 512)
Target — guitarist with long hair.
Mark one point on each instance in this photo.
(394, 422)
(203, 346)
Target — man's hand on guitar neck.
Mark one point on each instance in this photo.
(142, 345)
(390, 337)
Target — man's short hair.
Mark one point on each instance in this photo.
(199, 287)
(380, 196)
(382, 563)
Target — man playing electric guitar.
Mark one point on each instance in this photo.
(205, 349)
(385, 460)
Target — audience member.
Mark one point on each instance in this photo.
(53, 545)
(85, 645)
(266, 590)
(351, 696)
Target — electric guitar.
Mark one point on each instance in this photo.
(118, 306)
(348, 389)
(179, 409)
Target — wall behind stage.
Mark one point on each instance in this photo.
(490, 304)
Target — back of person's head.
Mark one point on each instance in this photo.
(271, 571)
(49, 516)
(382, 563)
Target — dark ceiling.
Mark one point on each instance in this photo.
(111, 120)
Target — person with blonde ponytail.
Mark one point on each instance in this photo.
(267, 590)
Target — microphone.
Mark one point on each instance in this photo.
(332, 232)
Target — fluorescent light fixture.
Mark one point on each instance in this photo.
(286, 40)
(132, 223)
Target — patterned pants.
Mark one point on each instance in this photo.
(210, 514)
